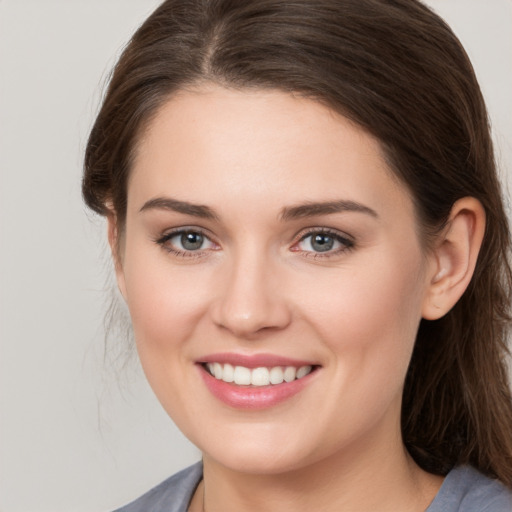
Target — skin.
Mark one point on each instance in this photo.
(257, 285)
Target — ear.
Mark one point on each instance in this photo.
(115, 248)
(454, 257)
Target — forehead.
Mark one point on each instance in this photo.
(209, 144)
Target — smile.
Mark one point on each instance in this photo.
(263, 376)
(257, 381)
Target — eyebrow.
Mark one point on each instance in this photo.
(167, 203)
(312, 209)
(309, 209)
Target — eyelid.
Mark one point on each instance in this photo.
(168, 235)
(347, 241)
(344, 239)
(304, 233)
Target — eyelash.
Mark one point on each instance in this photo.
(164, 239)
(346, 243)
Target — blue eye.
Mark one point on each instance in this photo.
(324, 242)
(185, 241)
(190, 241)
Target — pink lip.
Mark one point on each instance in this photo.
(253, 360)
(251, 397)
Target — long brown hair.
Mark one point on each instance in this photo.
(396, 69)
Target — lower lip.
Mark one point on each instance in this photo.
(252, 397)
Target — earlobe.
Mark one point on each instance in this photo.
(114, 242)
(454, 257)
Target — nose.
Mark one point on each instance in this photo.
(252, 298)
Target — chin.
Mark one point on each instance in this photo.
(264, 454)
(256, 461)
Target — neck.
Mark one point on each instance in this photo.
(378, 479)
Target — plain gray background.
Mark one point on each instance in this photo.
(79, 434)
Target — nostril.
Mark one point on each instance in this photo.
(252, 317)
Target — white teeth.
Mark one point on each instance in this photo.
(303, 371)
(290, 373)
(262, 376)
(228, 375)
(276, 375)
(217, 370)
(242, 376)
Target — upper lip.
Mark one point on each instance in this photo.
(254, 360)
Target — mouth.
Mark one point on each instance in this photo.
(257, 377)
(257, 382)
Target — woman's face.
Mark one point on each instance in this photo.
(266, 236)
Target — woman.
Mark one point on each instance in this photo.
(308, 230)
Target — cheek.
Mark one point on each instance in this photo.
(165, 301)
(166, 306)
(370, 315)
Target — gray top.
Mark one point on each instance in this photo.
(464, 490)
(172, 495)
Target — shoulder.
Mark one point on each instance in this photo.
(467, 490)
(172, 495)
